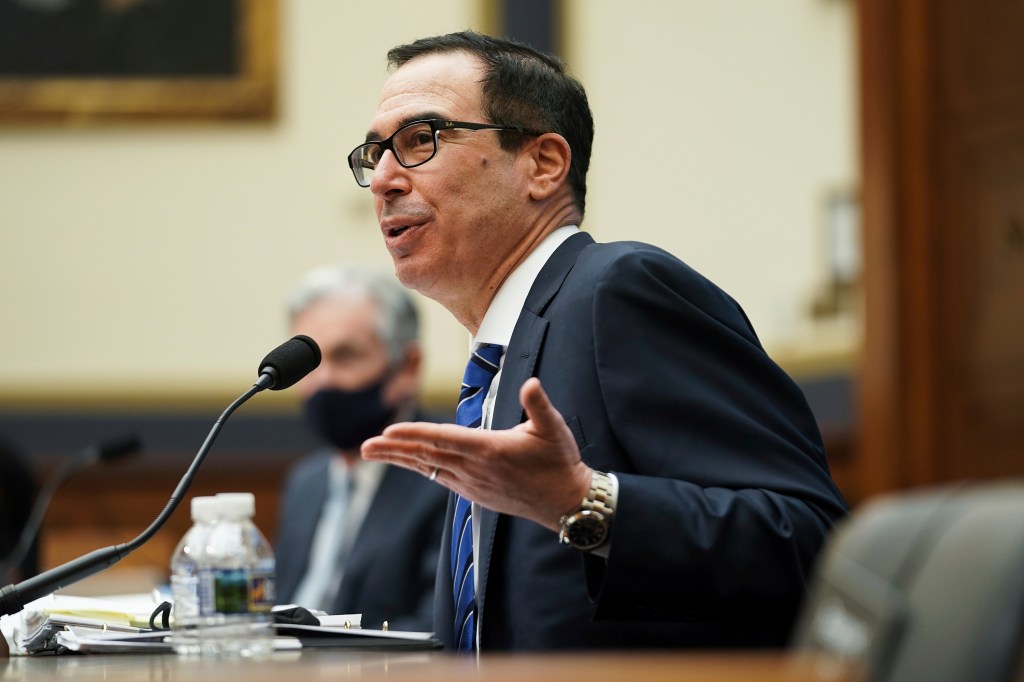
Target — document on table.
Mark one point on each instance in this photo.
(88, 639)
(61, 624)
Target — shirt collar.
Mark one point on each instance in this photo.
(503, 313)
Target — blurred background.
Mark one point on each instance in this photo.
(851, 172)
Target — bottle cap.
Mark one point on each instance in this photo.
(205, 508)
(237, 505)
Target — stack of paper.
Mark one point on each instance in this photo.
(62, 624)
(36, 628)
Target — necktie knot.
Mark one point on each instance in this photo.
(483, 365)
(480, 372)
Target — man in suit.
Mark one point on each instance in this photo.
(354, 536)
(644, 475)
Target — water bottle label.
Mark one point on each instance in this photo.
(261, 593)
(235, 591)
(186, 595)
(230, 590)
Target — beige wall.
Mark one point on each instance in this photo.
(721, 127)
(154, 260)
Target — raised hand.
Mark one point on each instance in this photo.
(533, 470)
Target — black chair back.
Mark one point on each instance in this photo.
(925, 586)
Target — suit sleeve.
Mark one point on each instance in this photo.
(724, 494)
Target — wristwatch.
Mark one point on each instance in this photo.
(588, 528)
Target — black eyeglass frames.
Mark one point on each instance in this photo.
(413, 145)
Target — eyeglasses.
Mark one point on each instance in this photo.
(413, 145)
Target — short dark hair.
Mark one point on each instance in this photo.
(522, 87)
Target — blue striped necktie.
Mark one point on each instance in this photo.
(480, 371)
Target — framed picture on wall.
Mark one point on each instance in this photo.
(96, 60)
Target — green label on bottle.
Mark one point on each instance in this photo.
(231, 590)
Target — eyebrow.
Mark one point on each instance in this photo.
(374, 136)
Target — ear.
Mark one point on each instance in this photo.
(549, 158)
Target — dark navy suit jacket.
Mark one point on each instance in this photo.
(725, 496)
(389, 573)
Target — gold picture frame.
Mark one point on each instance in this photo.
(249, 92)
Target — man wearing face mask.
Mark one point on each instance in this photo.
(356, 536)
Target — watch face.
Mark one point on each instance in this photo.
(587, 530)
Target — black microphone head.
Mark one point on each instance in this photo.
(289, 362)
(120, 447)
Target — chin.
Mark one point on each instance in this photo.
(412, 275)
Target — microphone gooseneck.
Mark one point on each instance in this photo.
(282, 367)
(106, 451)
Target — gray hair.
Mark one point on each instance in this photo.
(397, 319)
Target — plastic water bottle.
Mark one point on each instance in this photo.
(185, 575)
(236, 583)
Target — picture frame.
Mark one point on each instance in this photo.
(239, 80)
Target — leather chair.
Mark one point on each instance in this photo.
(925, 585)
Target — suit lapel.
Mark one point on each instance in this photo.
(554, 272)
(384, 518)
(520, 360)
(528, 334)
(383, 521)
(307, 516)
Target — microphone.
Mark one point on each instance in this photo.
(108, 451)
(289, 362)
(282, 367)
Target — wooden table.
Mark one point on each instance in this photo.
(337, 664)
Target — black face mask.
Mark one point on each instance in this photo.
(346, 418)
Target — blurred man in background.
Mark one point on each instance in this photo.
(355, 536)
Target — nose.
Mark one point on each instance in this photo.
(389, 177)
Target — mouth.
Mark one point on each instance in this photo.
(400, 225)
(394, 226)
(399, 235)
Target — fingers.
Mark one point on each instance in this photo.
(539, 410)
(381, 449)
(442, 437)
(424, 447)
